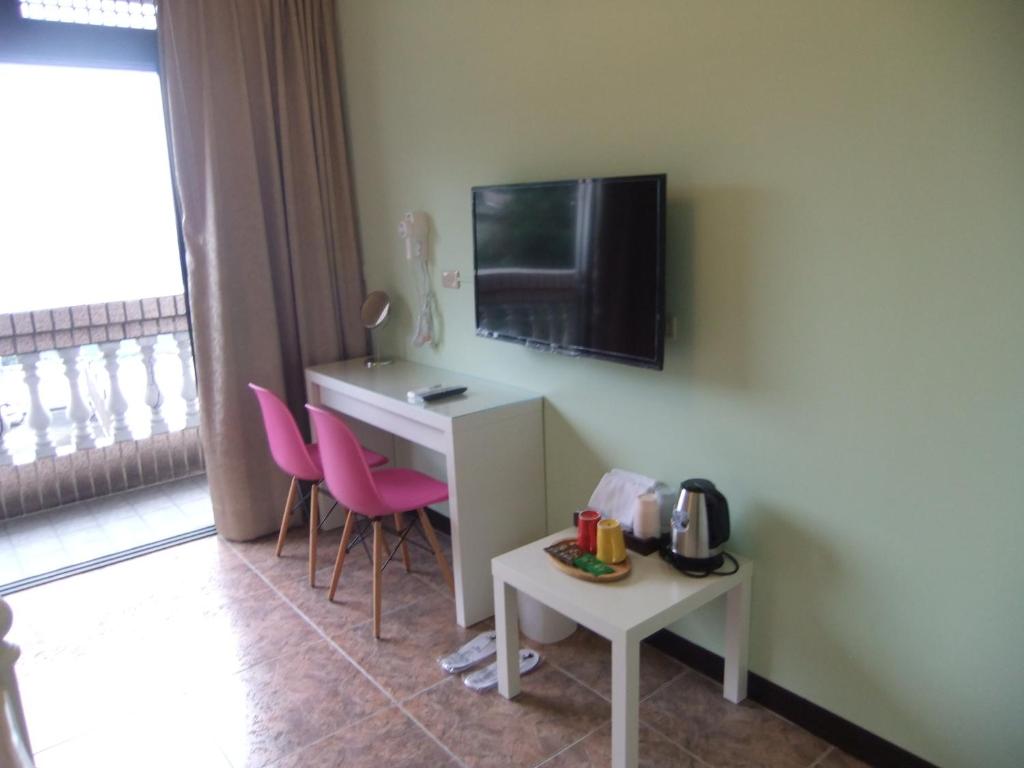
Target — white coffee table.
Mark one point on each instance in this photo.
(653, 596)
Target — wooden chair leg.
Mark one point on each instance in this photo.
(378, 557)
(405, 545)
(286, 518)
(442, 562)
(314, 530)
(340, 561)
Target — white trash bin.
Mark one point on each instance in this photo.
(542, 624)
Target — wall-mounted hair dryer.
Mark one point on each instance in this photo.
(414, 229)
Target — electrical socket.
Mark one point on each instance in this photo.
(450, 279)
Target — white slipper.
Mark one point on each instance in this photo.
(476, 650)
(487, 677)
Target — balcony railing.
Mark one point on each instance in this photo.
(93, 400)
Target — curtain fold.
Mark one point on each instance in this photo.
(253, 99)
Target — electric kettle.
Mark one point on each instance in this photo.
(700, 528)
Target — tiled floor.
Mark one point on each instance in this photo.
(46, 541)
(213, 655)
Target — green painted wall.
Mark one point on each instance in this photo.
(846, 258)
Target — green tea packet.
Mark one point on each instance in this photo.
(592, 565)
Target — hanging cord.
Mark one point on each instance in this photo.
(424, 333)
(414, 228)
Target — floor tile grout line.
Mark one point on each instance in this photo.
(346, 726)
(316, 627)
(575, 679)
(773, 713)
(354, 663)
(683, 673)
(293, 651)
(384, 612)
(670, 740)
(411, 716)
(430, 687)
(387, 612)
(422, 579)
(828, 751)
(436, 587)
(567, 747)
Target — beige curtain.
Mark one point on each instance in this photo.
(254, 111)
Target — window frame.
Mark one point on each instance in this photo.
(32, 41)
(55, 43)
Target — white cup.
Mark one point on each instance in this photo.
(647, 516)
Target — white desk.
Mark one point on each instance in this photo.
(625, 612)
(492, 440)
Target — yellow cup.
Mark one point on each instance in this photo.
(611, 546)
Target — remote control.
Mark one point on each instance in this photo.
(436, 392)
(443, 393)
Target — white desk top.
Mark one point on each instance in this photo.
(393, 381)
(653, 595)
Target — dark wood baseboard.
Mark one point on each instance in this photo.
(852, 739)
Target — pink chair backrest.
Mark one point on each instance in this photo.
(346, 473)
(283, 436)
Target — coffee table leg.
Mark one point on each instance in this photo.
(737, 631)
(625, 702)
(506, 624)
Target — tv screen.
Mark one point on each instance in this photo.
(573, 266)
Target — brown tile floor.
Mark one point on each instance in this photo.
(215, 655)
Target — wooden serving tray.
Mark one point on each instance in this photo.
(620, 571)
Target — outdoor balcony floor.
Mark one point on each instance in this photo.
(65, 536)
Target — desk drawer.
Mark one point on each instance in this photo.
(389, 421)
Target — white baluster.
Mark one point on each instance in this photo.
(116, 404)
(188, 379)
(154, 398)
(15, 749)
(38, 416)
(78, 411)
(5, 455)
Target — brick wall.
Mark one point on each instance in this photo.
(45, 329)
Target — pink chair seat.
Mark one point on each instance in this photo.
(405, 489)
(373, 459)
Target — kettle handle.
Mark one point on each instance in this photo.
(718, 510)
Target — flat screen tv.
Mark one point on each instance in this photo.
(576, 266)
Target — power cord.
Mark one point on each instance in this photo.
(702, 574)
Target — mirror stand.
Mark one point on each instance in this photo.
(374, 313)
(375, 360)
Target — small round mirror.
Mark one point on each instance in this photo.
(375, 310)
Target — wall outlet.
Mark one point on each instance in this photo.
(450, 279)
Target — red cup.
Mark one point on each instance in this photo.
(586, 534)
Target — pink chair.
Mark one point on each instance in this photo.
(300, 460)
(375, 495)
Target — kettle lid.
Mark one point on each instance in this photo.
(698, 484)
